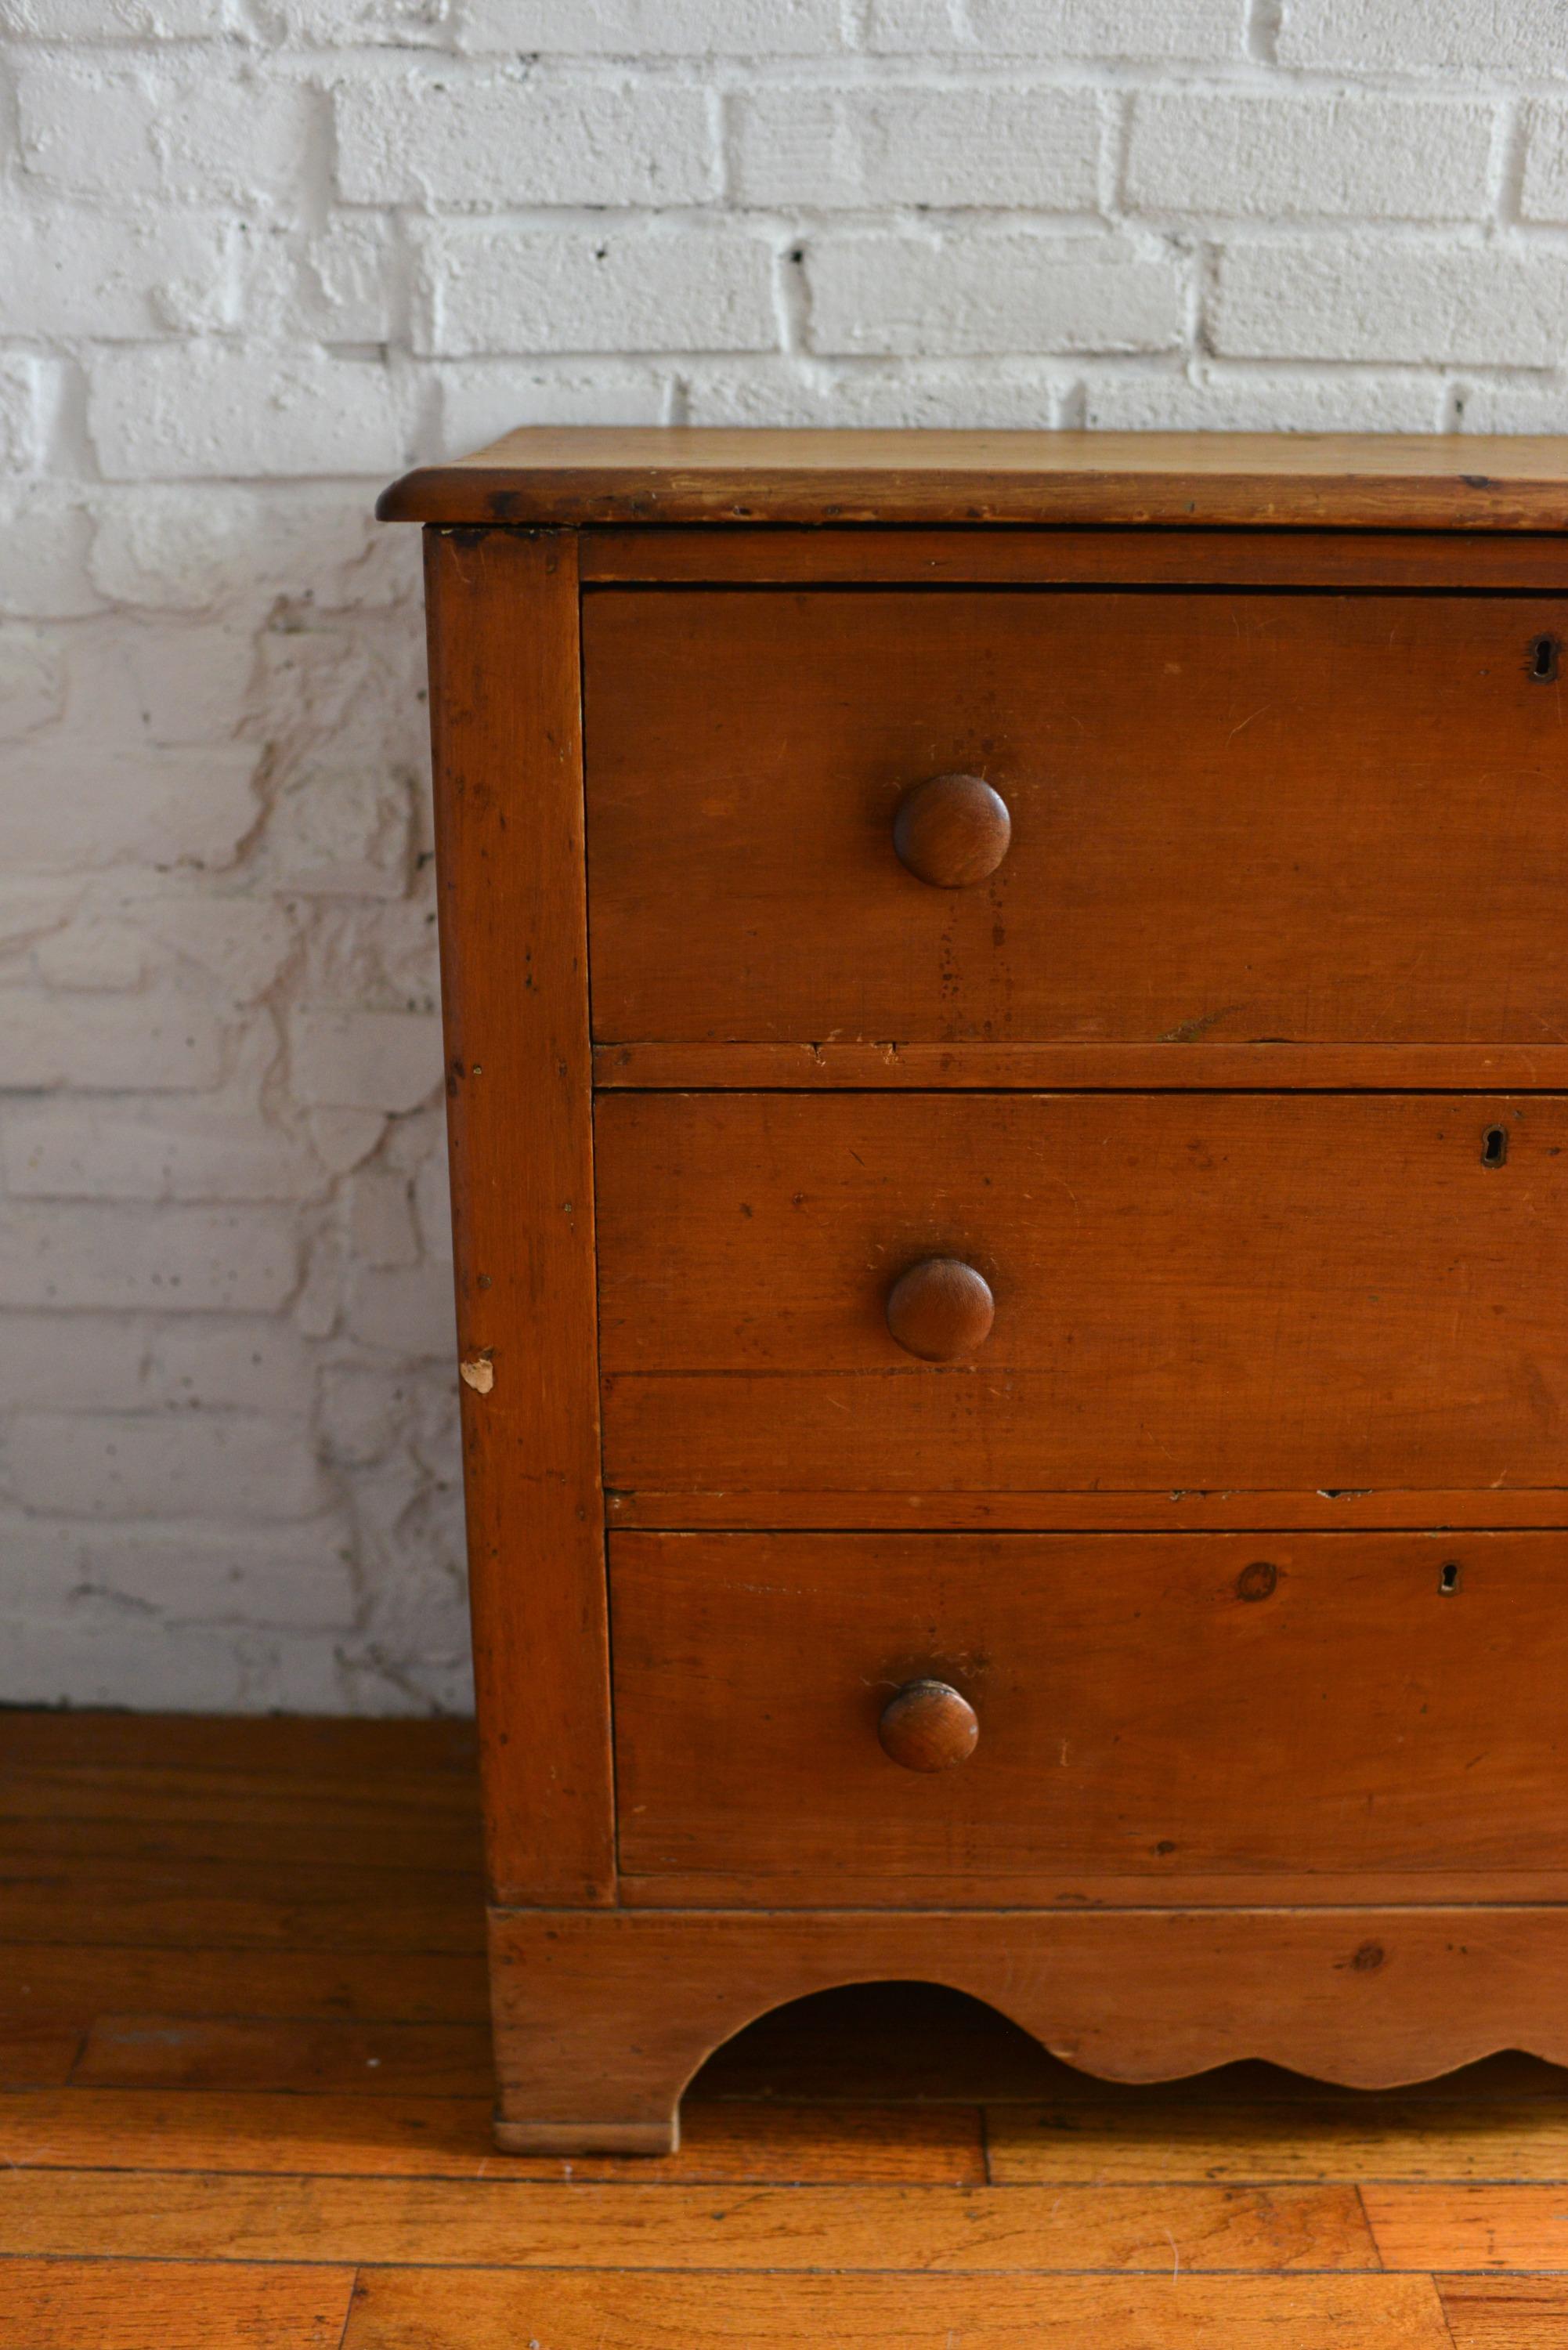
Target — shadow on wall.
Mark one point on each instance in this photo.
(226, 1346)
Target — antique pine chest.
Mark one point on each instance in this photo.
(1007, 1054)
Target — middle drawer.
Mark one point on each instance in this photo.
(1265, 1292)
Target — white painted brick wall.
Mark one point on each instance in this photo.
(1031, 150)
(261, 254)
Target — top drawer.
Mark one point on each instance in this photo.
(1311, 817)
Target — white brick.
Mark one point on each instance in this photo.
(341, 23)
(319, 1308)
(69, 271)
(409, 1312)
(32, 679)
(1038, 148)
(177, 549)
(664, 28)
(31, 909)
(86, 1153)
(1354, 299)
(498, 289)
(361, 1414)
(188, 681)
(241, 942)
(365, 1060)
(117, 20)
(156, 1043)
(1109, 31)
(394, 940)
(1544, 195)
(435, 1433)
(479, 401)
(238, 138)
(384, 1670)
(1404, 36)
(344, 1138)
(206, 410)
(336, 833)
(381, 1218)
(97, 953)
(284, 1577)
(66, 804)
(343, 284)
(190, 547)
(322, 543)
(22, 382)
(339, 285)
(151, 1465)
(99, 129)
(185, 1260)
(44, 534)
(368, 952)
(1365, 157)
(341, 704)
(72, 1362)
(911, 27)
(123, 1362)
(254, 1365)
(417, 1492)
(493, 140)
(95, 1653)
(432, 1202)
(997, 293)
(1340, 399)
(418, 1137)
(1016, 394)
(42, 1562)
(1536, 404)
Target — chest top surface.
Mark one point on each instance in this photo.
(567, 475)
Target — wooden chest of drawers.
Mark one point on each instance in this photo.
(1007, 1016)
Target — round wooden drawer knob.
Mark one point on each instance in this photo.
(953, 830)
(928, 1727)
(942, 1309)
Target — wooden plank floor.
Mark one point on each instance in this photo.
(246, 2093)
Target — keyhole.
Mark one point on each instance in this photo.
(1449, 1580)
(1544, 655)
(1494, 1145)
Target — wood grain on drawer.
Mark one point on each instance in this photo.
(1244, 1290)
(1310, 818)
(1149, 1706)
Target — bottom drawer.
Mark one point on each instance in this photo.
(1148, 1710)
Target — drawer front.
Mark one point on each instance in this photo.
(1258, 1291)
(1306, 817)
(1147, 1707)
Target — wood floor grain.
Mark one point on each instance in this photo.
(66, 1984)
(245, 2098)
(1350, 2136)
(1506, 2313)
(1502, 2226)
(314, 2054)
(449, 2137)
(97, 2304)
(309, 1906)
(476, 2309)
(525, 2223)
